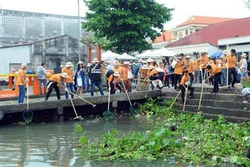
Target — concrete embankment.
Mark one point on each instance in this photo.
(54, 109)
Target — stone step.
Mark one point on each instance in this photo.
(215, 111)
(215, 117)
(209, 89)
(227, 97)
(215, 103)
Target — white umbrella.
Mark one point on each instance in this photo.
(148, 54)
(109, 55)
(125, 56)
(164, 52)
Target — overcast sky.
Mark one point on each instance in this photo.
(183, 8)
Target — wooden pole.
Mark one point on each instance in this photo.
(89, 54)
(99, 53)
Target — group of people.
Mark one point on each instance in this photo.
(180, 72)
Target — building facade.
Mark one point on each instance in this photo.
(52, 51)
(18, 27)
(194, 24)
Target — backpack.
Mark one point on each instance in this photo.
(39, 72)
(109, 72)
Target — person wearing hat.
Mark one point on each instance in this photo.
(125, 72)
(41, 76)
(69, 80)
(79, 78)
(243, 65)
(114, 82)
(215, 72)
(222, 61)
(203, 64)
(232, 63)
(184, 86)
(136, 69)
(150, 61)
(95, 74)
(21, 81)
(56, 81)
(178, 70)
(189, 66)
(154, 77)
(196, 71)
(143, 72)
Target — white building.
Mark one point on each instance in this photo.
(240, 44)
(194, 24)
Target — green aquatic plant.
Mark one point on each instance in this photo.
(189, 138)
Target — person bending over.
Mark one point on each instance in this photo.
(184, 86)
(56, 81)
(215, 73)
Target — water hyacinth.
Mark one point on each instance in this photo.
(188, 138)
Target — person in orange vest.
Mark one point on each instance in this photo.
(215, 72)
(203, 64)
(143, 72)
(184, 86)
(189, 66)
(113, 82)
(69, 81)
(56, 81)
(232, 63)
(124, 75)
(178, 69)
(196, 71)
(21, 81)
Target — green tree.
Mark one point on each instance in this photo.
(126, 23)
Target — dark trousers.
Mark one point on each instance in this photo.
(216, 82)
(172, 79)
(183, 90)
(177, 79)
(191, 78)
(52, 85)
(98, 84)
(232, 71)
(167, 80)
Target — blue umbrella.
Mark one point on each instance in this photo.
(216, 54)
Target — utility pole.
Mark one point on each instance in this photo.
(80, 31)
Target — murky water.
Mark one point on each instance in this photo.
(52, 144)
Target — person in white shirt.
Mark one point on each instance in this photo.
(42, 79)
(244, 66)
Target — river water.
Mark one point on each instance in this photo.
(52, 144)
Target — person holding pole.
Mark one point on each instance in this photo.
(56, 81)
(232, 63)
(21, 81)
(215, 72)
(184, 86)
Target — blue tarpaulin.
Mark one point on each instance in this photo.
(216, 54)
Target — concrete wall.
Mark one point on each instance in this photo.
(13, 57)
(18, 26)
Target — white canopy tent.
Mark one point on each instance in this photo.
(125, 56)
(163, 52)
(148, 54)
(109, 55)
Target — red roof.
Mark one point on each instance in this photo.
(204, 20)
(166, 36)
(211, 34)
